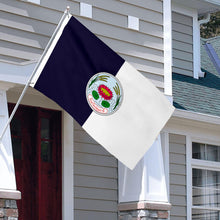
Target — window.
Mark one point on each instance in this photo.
(46, 140)
(16, 138)
(205, 181)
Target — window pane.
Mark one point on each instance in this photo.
(199, 186)
(213, 152)
(206, 190)
(198, 151)
(199, 177)
(45, 128)
(199, 214)
(17, 149)
(15, 127)
(46, 151)
(206, 152)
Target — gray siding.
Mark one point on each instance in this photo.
(177, 157)
(26, 29)
(95, 175)
(182, 33)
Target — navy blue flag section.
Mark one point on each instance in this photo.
(113, 102)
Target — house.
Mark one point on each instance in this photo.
(58, 170)
(196, 146)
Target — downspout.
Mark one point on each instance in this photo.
(205, 20)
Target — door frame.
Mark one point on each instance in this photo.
(35, 99)
(67, 166)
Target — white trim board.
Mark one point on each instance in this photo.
(196, 116)
(189, 176)
(183, 10)
(196, 47)
(16, 73)
(67, 167)
(167, 24)
(166, 155)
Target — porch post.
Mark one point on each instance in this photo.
(143, 191)
(8, 192)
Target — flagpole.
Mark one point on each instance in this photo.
(66, 13)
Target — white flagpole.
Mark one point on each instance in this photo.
(66, 13)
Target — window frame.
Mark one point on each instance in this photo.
(198, 164)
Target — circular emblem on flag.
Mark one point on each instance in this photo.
(104, 93)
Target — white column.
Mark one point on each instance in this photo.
(147, 181)
(7, 180)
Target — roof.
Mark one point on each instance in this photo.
(200, 95)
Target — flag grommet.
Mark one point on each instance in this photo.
(104, 93)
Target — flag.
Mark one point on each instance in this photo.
(115, 104)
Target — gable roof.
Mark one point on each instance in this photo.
(200, 95)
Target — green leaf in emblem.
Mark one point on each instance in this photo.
(105, 104)
(95, 95)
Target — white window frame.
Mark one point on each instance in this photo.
(199, 164)
(196, 36)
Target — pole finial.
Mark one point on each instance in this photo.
(68, 10)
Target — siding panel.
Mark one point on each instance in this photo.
(85, 214)
(90, 148)
(178, 179)
(95, 205)
(121, 7)
(177, 157)
(95, 179)
(93, 193)
(97, 171)
(95, 182)
(134, 50)
(178, 200)
(31, 10)
(95, 160)
(150, 4)
(27, 24)
(182, 31)
(178, 211)
(30, 25)
(183, 55)
(21, 38)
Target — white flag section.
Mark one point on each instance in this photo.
(75, 56)
(129, 132)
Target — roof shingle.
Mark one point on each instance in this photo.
(199, 95)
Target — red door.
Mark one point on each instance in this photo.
(36, 142)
